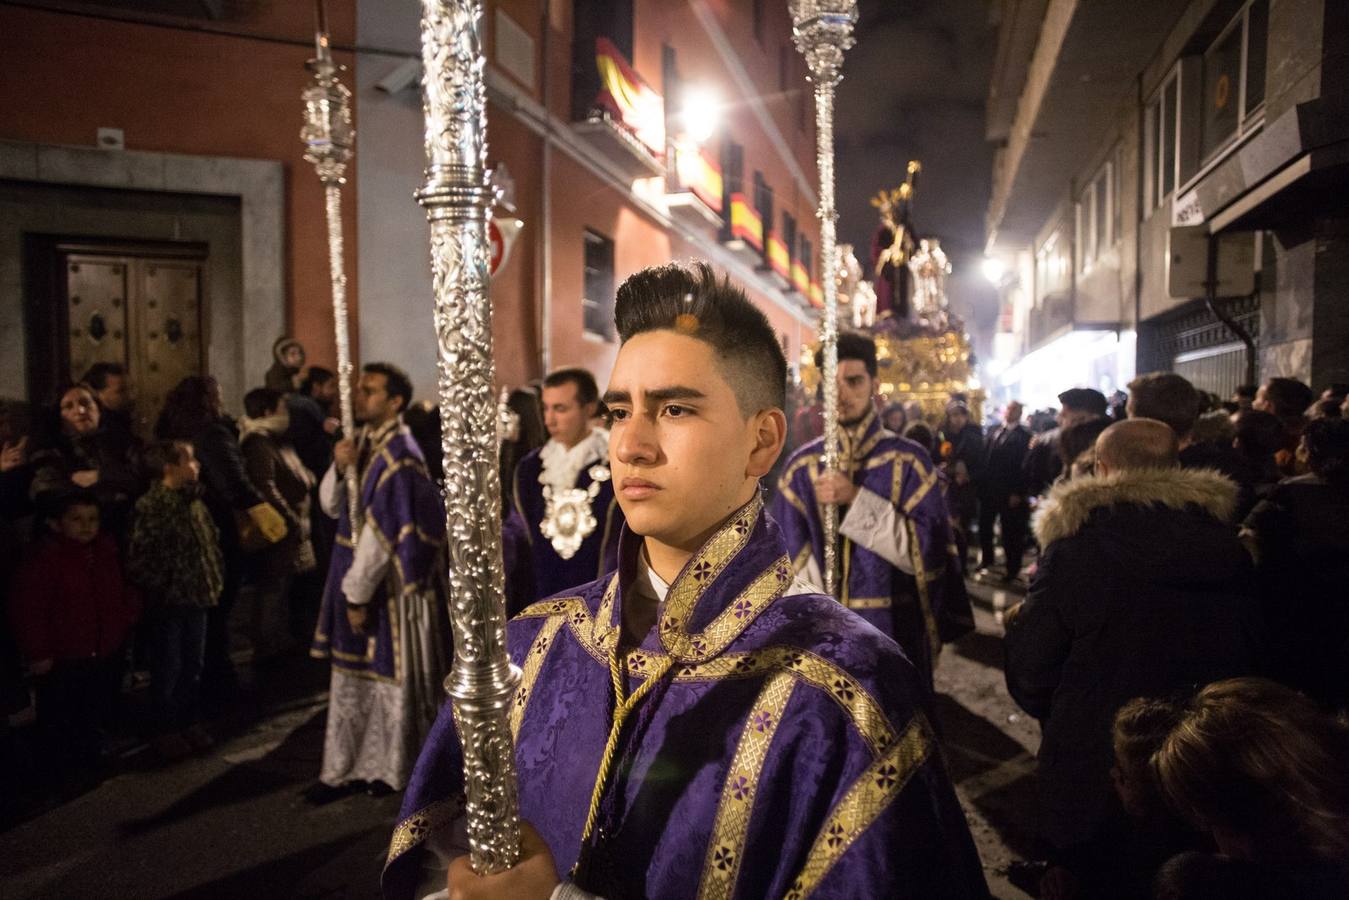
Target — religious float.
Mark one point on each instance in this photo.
(923, 352)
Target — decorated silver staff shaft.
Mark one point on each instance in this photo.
(328, 138)
(457, 199)
(823, 30)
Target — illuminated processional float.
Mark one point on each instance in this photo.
(923, 352)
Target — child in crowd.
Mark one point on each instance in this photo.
(72, 611)
(176, 560)
(1266, 773)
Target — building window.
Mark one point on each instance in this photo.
(732, 169)
(597, 301)
(763, 203)
(805, 257)
(789, 235)
(1117, 192)
(1097, 230)
(1161, 130)
(1234, 79)
(757, 14)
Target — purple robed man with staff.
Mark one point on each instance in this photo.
(899, 568)
(700, 723)
(383, 622)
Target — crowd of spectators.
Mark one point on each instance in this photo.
(151, 549)
(1184, 639)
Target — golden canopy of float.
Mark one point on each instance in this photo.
(923, 352)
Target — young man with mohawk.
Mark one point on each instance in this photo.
(699, 724)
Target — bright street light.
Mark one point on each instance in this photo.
(994, 269)
(701, 112)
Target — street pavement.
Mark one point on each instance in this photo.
(231, 823)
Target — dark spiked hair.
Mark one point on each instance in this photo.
(396, 381)
(852, 345)
(587, 391)
(694, 301)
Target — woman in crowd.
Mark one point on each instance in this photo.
(80, 454)
(275, 470)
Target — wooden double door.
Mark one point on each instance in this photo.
(138, 304)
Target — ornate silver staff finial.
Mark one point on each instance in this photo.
(458, 198)
(823, 30)
(328, 138)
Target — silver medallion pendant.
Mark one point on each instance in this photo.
(567, 517)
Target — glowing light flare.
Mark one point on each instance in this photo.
(994, 269)
(700, 112)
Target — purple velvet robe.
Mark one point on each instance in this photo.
(783, 749)
(598, 554)
(401, 501)
(907, 607)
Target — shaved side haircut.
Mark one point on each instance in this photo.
(587, 391)
(1138, 444)
(852, 345)
(695, 302)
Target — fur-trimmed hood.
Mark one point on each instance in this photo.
(1070, 504)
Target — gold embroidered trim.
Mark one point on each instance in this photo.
(873, 791)
(603, 631)
(414, 829)
(921, 579)
(862, 709)
(930, 479)
(870, 602)
(529, 673)
(392, 467)
(803, 557)
(731, 621)
(702, 571)
(726, 849)
(551, 607)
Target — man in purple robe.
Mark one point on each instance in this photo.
(698, 723)
(384, 622)
(898, 566)
(562, 499)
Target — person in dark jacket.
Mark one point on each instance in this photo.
(1002, 491)
(1288, 399)
(1300, 536)
(962, 443)
(313, 427)
(1142, 588)
(83, 454)
(281, 478)
(192, 412)
(116, 399)
(175, 559)
(72, 612)
(1171, 398)
(287, 361)
(1043, 463)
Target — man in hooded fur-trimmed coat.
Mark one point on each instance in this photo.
(1142, 589)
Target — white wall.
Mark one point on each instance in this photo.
(393, 255)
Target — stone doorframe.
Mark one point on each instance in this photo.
(241, 338)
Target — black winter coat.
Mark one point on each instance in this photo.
(1005, 450)
(1301, 535)
(1142, 589)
